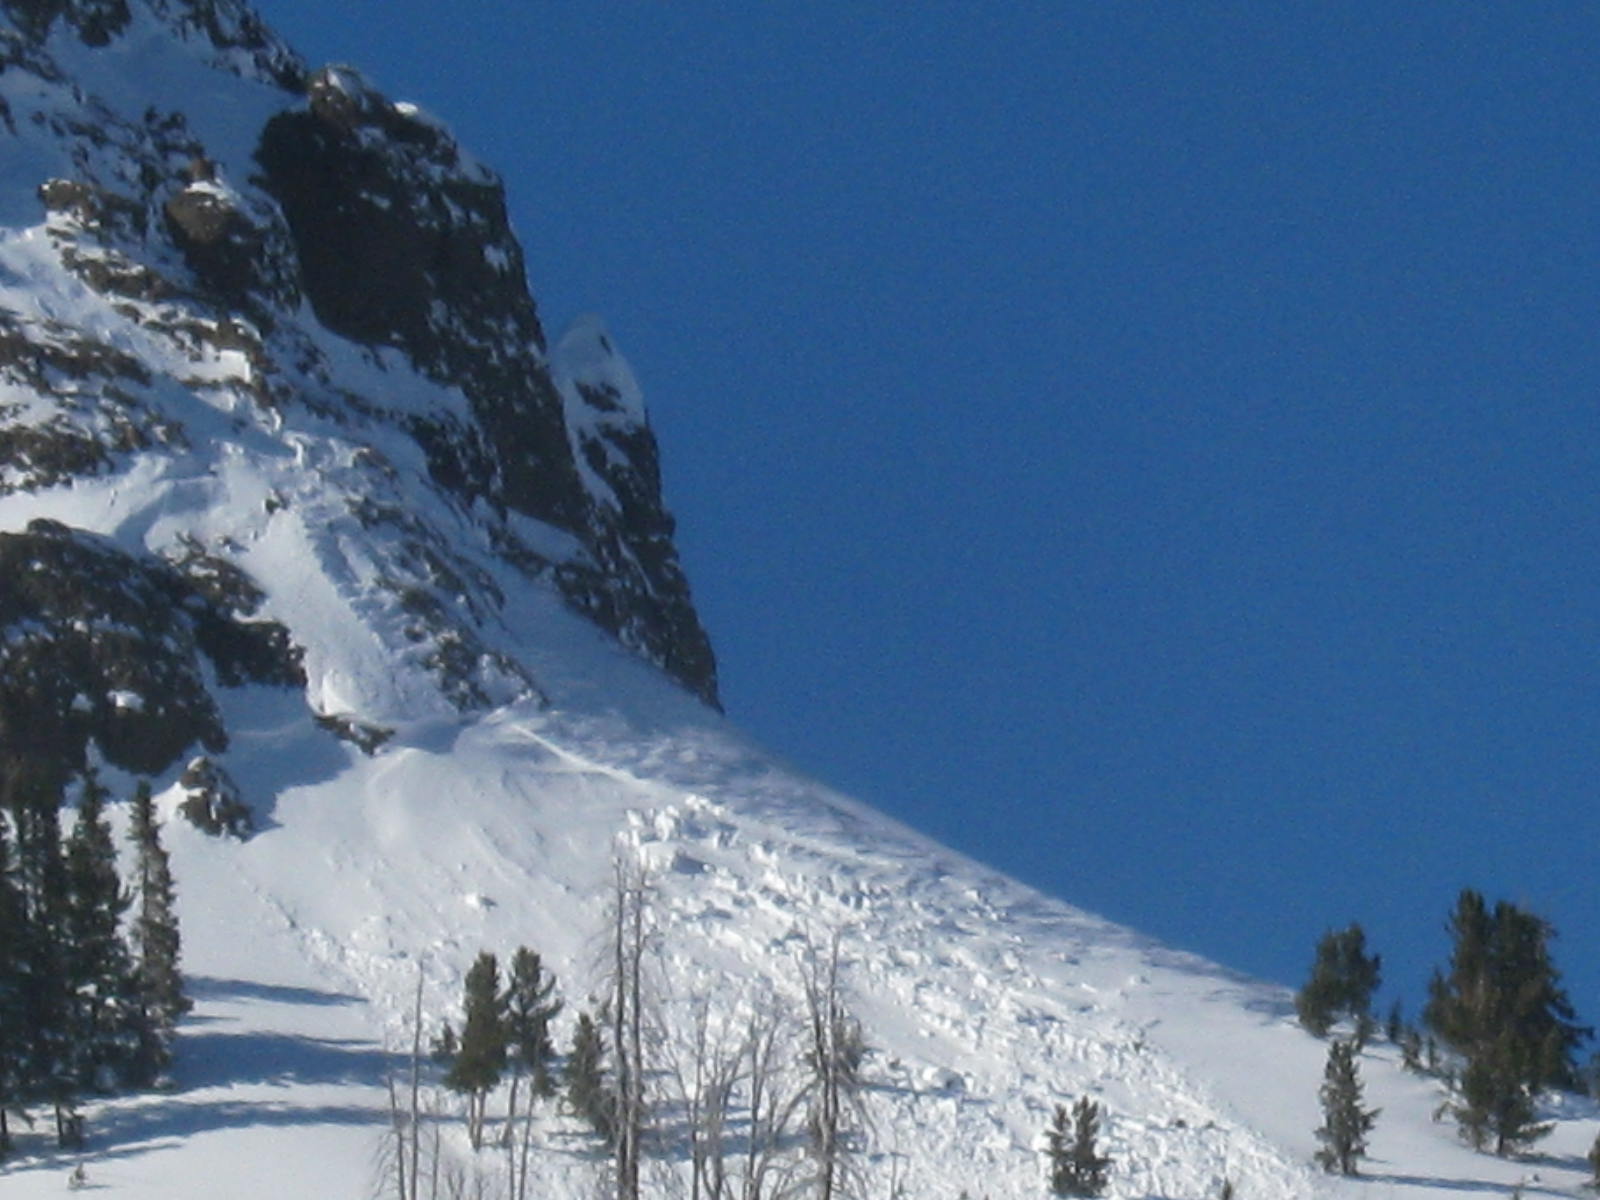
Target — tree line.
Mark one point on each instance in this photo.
(1499, 1030)
(761, 1096)
(90, 987)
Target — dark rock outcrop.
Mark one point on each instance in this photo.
(404, 241)
(97, 21)
(229, 26)
(371, 215)
(401, 242)
(96, 644)
(211, 802)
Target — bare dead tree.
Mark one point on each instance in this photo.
(629, 936)
(416, 1090)
(736, 1078)
(401, 1151)
(448, 1176)
(435, 1152)
(833, 1053)
(705, 1074)
(520, 1175)
(721, 1057)
(774, 1094)
(391, 1152)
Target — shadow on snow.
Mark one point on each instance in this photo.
(208, 1059)
(1465, 1185)
(209, 987)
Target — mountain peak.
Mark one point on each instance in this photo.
(302, 305)
(306, 523)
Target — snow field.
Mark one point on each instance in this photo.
(983, 1003)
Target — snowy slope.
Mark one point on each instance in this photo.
(983, 1002)
(515, 773)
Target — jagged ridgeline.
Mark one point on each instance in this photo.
(239, 295)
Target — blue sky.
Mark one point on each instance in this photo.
(1153, 448)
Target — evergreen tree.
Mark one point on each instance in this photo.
(1589, 1075)
(587, 1093)
(1460, 1003)
(1502, 1008)
(13, 1043)
(480, 1059)
(1342, 981)
(1494, 1104)
(160, 998)
(1076, 1166)
(1059, 1149)
(1593, 1159)
(47, 1060)
(529, 1009)
(99, 970)
(1411, 1050)
(443, 1047)
(1345, 1124)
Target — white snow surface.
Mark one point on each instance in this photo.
(983, 1003)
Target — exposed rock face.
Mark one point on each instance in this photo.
(403, 240)
(226, 25)
(96, 21)
(231, 276)
(640, 591)
(211, 801)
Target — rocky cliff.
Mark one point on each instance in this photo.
(213, 258)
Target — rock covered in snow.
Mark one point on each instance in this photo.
(211, 802)
(99, 645)
(306, 273)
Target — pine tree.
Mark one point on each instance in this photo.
(1345, 1124)
(1342, 981)
(1494, 1103)
(587, 1093)
(529, 1009)
(1076, 1166)
(1593, 1159)
(1502, 1008)
(480, 1059)
(43, 997)
(157, 945)
(1059, 1150)
(99, 970)
(13, 1043)
(1411, 1050)
(442, 1049)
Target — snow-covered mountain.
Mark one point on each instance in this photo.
(292, 481)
